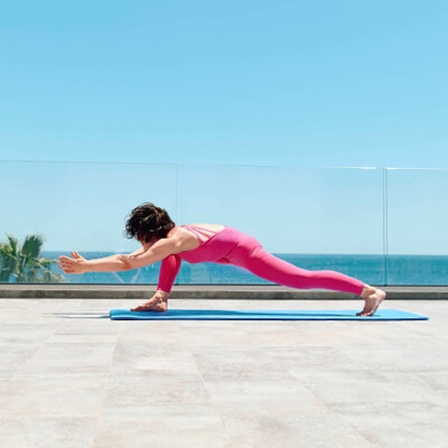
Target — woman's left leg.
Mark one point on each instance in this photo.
(268, 266)
(250, 255)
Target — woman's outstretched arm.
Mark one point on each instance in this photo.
(149, 254)
(78, 264)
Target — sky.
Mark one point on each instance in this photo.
(286, 84)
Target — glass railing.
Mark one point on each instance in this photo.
(383, 226)
(417, 223)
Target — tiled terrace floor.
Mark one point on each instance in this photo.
(70, 377)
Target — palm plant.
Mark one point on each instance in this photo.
(25, 264)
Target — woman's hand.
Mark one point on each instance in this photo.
(75, 265)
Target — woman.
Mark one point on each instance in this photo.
(163, 241)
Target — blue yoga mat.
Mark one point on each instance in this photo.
(176, 314)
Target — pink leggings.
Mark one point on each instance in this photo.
(231, 246)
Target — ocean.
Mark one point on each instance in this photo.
(373, 269)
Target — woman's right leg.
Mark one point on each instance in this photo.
(169, 269)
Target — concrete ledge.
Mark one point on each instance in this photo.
(260, 292)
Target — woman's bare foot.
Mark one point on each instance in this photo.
(372, 300)
(158, 302)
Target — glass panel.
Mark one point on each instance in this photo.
(82, 207)
(417, 223)
(314, 218)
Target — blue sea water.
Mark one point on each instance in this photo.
(372, 269)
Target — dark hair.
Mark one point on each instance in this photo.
(148, 221)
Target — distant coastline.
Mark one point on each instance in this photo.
(393, 270)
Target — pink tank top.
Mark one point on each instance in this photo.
(206, 251)
(196, 230)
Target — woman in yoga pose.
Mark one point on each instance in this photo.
(163, 241)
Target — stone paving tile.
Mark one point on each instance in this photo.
(281, 426)
(60, 358)
(133, 390)
(54, 395)
(235, 364)
(15, 357)
(30, 431)
(401, 424)
(162, 426)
